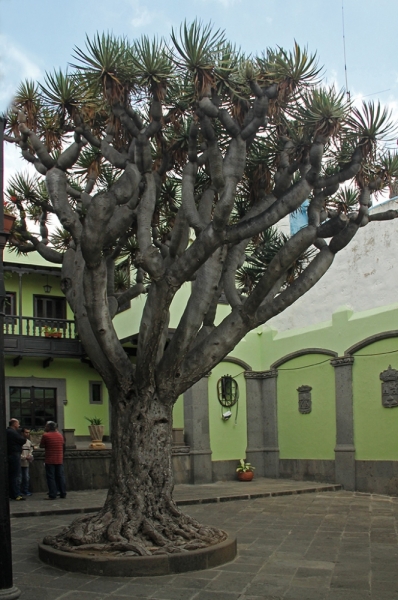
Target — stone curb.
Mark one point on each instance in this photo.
(141, 566)
(188, 502)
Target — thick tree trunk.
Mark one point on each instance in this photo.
(139, 516)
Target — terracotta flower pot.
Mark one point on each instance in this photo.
(245, 475)
(9, 221)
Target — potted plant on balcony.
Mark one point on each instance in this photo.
(245, 470)
(96, 430)
(52, 332)
(9, 217)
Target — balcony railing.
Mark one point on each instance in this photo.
(40, 327)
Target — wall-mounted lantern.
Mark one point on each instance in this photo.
(47, 287)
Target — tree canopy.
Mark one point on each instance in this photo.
(183, 156)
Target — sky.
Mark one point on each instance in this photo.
(38, 37)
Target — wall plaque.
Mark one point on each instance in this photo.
(389, 388)
(305, 402)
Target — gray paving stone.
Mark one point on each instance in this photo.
(103, 585)
(87, 596)
(172, 593)
(384, 596)
(384, 585)
(266, 597)
(230, 582)
(350, 583)
(241, 566)
(305, 593)
(191, 583)
(312, 573)
(349, 595)
(136, 589)
(39, 593)
(208, 595)
(322, 546)
(263, 588)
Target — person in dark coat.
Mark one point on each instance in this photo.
(15, 441)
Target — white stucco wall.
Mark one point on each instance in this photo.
(363, 276)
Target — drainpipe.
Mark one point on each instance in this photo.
(7, 590)
(20, 302)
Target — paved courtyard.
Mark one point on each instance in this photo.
(314, 546)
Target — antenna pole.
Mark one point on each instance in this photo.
(345, 58)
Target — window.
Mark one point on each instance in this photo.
(49, 309)
(95, 392)
(33, 406)
(10, 311)
(10, 306)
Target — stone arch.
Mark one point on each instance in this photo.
(377, 337)
(302, 352)
(237, 361)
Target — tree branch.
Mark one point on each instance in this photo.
(56, 185)
(312, 274)
(207, 281)
(72, 287)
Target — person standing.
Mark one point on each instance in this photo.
(26, 459)
(53, 443)
(15, 441)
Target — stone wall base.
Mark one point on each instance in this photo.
(84, 470)
(307, 469)
(377, 476)
(89, 470)
(224, 470)
(371, 476)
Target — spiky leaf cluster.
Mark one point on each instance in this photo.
(115, 89)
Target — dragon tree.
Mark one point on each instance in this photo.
(182, 156)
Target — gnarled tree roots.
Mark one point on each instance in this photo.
(119, 533)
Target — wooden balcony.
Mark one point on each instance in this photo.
(32, 336)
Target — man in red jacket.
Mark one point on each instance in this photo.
(53, 443)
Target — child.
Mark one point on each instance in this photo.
(26, 458)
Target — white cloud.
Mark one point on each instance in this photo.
(332, 79)
(229, 3)
(226, 3)
(15, 66)
(142, 16)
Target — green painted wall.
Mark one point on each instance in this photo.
(375, 427)
(300, 436)
(228, 440)
(343, 330)
(32, 284)
(77, 377)
(311, 436)
(178, 413)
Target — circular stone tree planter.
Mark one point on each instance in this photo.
(140, 566)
